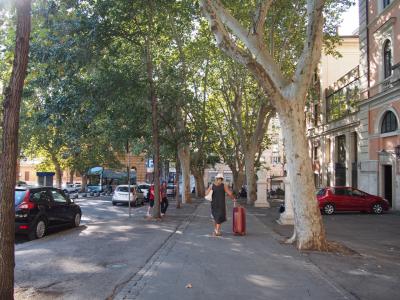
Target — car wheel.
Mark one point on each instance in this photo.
(377, 208)
(77, 220)
(329, 209)
(39, 230)
(114, 203)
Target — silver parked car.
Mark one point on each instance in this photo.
(121, 195)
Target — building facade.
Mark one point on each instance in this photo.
(27, 170)
(380, 99)
(332, 116)
(354, 133)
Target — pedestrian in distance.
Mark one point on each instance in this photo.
(164, 198)
(218, 205)
(151, 199)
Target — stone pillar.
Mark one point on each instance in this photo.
(262, 190)
(287, 217)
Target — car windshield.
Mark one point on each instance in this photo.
(143, 187)
(19, 196)
(124, 189)
(320, 192)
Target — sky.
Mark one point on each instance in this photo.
(350, 21)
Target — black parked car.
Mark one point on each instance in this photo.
(38, 208)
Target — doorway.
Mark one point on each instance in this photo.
(387, 183)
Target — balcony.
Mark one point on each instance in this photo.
(384, 85)
(343, 96)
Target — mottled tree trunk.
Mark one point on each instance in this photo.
(309, 229)
(249, 161)
(84, 181)
(199, 179)
(71, 176)
(184, 157)
(238, 179)
(59, 172)
(154, 114)
(177, 178)
(156, 145)
(8, 158)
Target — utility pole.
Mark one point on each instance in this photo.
(128, 167)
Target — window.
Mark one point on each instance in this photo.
(358, 193)
(389, 122)
(342, 192)
(315, 154)
(321, 192)
(26, 175)
(40, 196)
(58, 197)
(341, 98)
(386, 3)
(387, 58)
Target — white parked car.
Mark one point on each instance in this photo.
(121, 195)
(144, 187)
(69, 188)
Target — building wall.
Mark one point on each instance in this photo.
(332, 68)
(138, 163)
(324, 135)
(376, 150)
(383, 24)
(27, 170)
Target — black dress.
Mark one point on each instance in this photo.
(218, 207)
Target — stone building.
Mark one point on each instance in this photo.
(379, 109)
(332, 116)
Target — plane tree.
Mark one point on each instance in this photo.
(283, 68)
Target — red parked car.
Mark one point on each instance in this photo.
(341, 198)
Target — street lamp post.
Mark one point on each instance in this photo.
(129, 177)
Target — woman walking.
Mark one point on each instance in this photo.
(218, 205)
(164, 198)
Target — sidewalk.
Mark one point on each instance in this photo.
(255, 266)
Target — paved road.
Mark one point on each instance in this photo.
(94, 209)
(89, 262)
(112, 255)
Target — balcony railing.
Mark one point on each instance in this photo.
(384, 85)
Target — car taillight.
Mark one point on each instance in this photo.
(23, 227)
(26, 203)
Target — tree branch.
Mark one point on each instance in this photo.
(312, 47)
(259, 19)
(259, 62)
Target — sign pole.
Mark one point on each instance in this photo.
(129, 179)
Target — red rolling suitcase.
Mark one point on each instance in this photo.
(239, 220)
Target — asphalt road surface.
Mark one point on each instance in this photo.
(94, 209)
(90, 261)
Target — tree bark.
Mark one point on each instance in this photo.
(199, 179)
(8, 158)
(177, 178)
(71, 176)
(249, 160)
(59, 171)
(154, 113)
(309, 228)
(238, 179)
(84, 181)
(184, 157)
